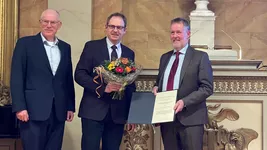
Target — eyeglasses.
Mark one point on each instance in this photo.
(46, 22)
(112, 27)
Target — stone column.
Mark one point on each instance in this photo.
(202, 22)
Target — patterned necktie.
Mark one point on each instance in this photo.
(114, 54)
(173, 72)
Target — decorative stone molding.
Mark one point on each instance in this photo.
(222, 84)
(240, 85)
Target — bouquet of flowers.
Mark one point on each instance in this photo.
(121, 70)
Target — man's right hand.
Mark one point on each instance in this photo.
(112, 87)
(23, 115)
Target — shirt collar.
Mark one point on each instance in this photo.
(47, 42)
(109, 43)
(183, 50)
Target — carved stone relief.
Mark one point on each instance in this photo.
(5, 97)
(137, 140)
(220, 138)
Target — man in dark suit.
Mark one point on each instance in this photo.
(104, 117)
(42, 86)
(188, 71)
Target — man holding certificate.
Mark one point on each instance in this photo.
(190, 73)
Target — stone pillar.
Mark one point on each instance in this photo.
(202, 22)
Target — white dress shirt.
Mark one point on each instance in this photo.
(53, 53)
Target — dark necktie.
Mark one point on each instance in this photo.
(173, 72)
(114, 54)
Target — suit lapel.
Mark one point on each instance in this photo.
(124, 52)
(43, 56)
(187, 60)
(104, 49)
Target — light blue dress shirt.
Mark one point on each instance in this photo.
(53, 53)
(178, 71)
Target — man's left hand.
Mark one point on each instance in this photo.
(70, 116)
(130, 127)
(179, 106)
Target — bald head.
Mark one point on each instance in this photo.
(49, 12)
(50, 24)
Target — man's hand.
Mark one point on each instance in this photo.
(179, 106)
(130, 127)
(70, 116)
(112, 87)
(23, 115)
(155, 90)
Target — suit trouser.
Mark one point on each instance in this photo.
(93, 131)
(42, 135)
(176, 136)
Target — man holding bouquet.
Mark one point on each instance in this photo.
(102, 116)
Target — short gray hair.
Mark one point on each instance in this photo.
(181, 20)
(50, 10)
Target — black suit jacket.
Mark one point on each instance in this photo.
(92, 107)
(196, 85)
(33, 86)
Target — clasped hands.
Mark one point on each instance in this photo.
(178, 107)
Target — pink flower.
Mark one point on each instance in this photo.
(119, 69)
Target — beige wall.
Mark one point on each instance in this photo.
(29, 15)
(148, 24)
(148, 28)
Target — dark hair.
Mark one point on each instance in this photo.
(181, 20)
(117, 15)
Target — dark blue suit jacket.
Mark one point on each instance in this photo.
(92, 107)
(33, 86)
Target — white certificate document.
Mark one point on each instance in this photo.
(163, 108)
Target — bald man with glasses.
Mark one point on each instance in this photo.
(42, 85)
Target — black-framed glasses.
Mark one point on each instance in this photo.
(46, 22)
(112, 27)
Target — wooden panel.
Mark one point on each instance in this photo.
(18, 145)
(5, 148)
(7, 144)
